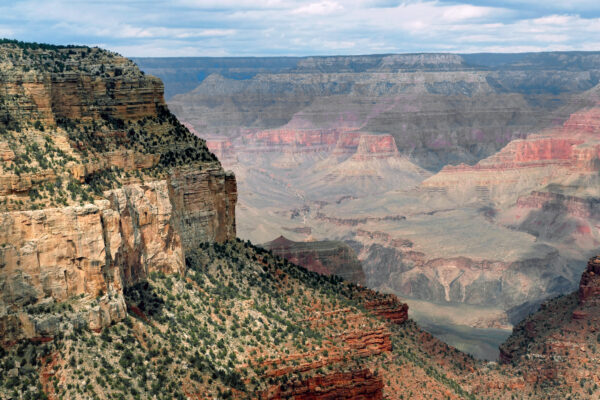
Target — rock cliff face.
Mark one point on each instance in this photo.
(361, 384)
(81, 83)
(204, 205)
(324, 257)
(554, 156)
(58, 254)
(106, 187)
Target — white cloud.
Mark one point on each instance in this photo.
(465, 12)
(302, 27)
(6, 32)
(322, 8)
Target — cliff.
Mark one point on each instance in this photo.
(324, 257)
(100, 187)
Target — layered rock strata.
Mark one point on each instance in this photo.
(324, 257)
(553, 156)
(54, 255)
(361, 384)
(92, 82)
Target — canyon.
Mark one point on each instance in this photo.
(128, 280)
(419, 164)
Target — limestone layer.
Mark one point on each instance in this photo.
(55, 255)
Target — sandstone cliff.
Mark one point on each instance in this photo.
(100, 187)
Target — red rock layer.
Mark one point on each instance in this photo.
(586, 121)
(391, 309)
(347, 143)
(358, 385)
(299, 139)
(574, 146)
(375, 146)
(589, 286)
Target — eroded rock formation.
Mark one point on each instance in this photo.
(57, 254)
(324, 257)
(100, 186)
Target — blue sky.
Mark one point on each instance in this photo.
(293, 27)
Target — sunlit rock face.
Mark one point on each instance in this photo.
(142, 189)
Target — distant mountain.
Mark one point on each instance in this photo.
(440, 108)
(182, 74)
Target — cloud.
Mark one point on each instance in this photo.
(300, 27)
(465, 12)
(322, 8)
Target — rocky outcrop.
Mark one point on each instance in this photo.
(324, 257)
(92, 82)
(62, 253)
(375, 146)
(361, 384)
(589, 287)
(389, 308)
(203, 205)
(140, 232)
(56, 253)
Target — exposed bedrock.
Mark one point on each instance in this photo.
(556, 156)
(439, 117)
(54, 255)
(95, 83)
(360, 384)
(324, 257)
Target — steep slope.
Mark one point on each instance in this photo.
(243, 324)
(558, 344)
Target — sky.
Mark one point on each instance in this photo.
(297, 28)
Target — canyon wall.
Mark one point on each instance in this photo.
(86, 83)
(101, 187)
(324, 257)
(440, 109)
(58, 254)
